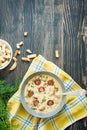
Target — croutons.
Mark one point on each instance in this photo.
(25, 34)
(25, 59)
(31, 56)
(56, 53)
(5, 54)
(19, 44)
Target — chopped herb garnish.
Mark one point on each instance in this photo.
(32, 83)
(40, 77)
(43, 100)
(28, 84)
(56, 89)
(33, 108)
(46, 77)
(44, 92)
(44, 80)
(32, 86)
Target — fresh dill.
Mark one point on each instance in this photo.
(6, 91)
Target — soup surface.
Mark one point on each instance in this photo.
(41, 93)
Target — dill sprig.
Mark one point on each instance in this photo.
(6, 91)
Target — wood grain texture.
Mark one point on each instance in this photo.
(72, 47)
(51, 24)
(43, 20)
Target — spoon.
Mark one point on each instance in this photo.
(81, 92)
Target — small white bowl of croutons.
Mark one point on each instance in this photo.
(5, 54)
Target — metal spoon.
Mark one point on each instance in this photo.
(81, 92)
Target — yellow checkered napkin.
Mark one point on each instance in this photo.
(74, 109)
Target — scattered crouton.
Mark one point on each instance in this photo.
(56, 53)
(31, 56)
(25, 34)
(19, 44)
(17, 52)
(25, 59)
(29, 51)
(13, 66)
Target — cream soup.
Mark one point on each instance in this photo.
(40, 93)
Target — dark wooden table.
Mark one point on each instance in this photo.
(51, 25)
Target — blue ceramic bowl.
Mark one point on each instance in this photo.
(40, 114)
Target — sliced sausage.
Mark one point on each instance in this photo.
(41, 89)
(50, 82)
(37, 81)
(30, 93)
(50, 102)
(35, 102)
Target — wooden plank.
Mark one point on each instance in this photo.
(74, 47)
(12, 31)
(46, 29)
(73, 15)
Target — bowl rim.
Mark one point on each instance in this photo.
(33, 112)
(7, 43)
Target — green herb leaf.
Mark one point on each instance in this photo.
(56, 89)
(43, 100)
(33, 108)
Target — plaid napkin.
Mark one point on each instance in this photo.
(74, 109)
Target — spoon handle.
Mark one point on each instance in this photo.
(81, 92)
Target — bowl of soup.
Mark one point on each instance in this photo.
(5, 54)
(39, 94)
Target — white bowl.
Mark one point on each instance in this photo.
(5, 52)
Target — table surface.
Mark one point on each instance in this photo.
(51, 25)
